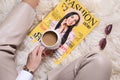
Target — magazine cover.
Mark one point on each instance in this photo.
(72, 21)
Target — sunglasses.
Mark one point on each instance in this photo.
(103, 41)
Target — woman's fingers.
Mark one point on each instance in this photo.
(41, 48)
(38, 51)
(35, 51)
(32, 3)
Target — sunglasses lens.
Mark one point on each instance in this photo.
(102, 43)
(108, 29)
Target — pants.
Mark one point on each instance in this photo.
(12, 33)
(92, 66)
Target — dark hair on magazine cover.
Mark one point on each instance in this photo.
(65, 36)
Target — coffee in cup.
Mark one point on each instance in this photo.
(51, 39)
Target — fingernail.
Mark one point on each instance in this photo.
(42, 48)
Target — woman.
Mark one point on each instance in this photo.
(66, 24)
(90, 67)
(64, 28)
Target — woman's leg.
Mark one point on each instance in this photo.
(12, 33)
(97, 67)
(90, 67)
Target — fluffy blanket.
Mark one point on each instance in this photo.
(107, 11)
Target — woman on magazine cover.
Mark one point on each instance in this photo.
(92, 66)
(65, 26)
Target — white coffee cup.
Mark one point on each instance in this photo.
(51, 39)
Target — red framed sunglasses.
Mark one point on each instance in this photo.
(103, 41)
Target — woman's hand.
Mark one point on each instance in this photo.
(64, 23)
(47, 52)
(32, 3)
(34, 59)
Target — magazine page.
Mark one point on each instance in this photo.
(72, 21)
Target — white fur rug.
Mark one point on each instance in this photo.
(107, 11)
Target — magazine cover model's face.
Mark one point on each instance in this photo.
(72, 20)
